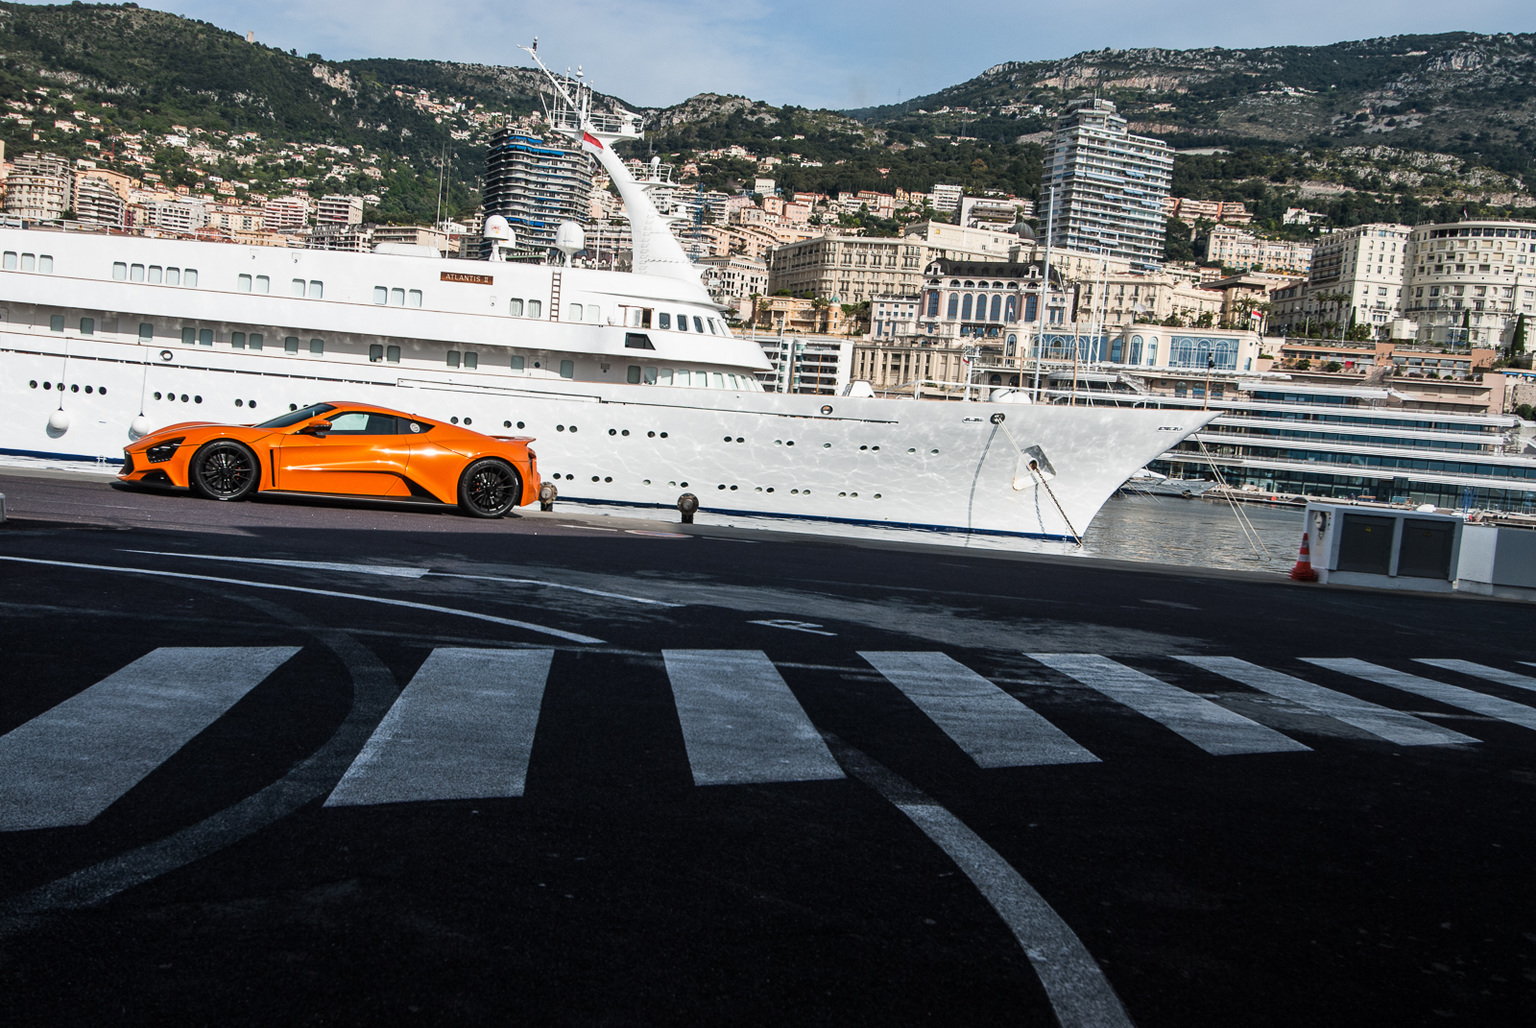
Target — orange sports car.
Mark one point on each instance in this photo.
(348, 449)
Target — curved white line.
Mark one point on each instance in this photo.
(493, 619)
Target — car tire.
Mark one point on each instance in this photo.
(224, 470)
(489, 488)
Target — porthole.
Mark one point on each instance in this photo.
(183, 397)
(682, 485)
(874, 447)
(794, 492)
(650, 435)
(805, 492)
(863, 447)
(293, 406)
(469, 421)
(770, 489)
(47, 385)
(625, 432)
(933, 451)
(89, 390)
(739, 439)
(453, 420)
(790, 442)
(197, 399)
(733, 489)
(594, 478)
(573, 429)
(645, 481)
(33, 383)
(911, 449)
(559, 428)
(157, 395)
(877, 496)
(239, 403)
(778, 442)
(607, 480)
(727, 438)
(826, 408)
(519, 424)
(74, 388)
(613, 431)
(506, 424)
(663, 435)
(719, 487)
(251, 404)
(758, 489)
(826, 446)
(842, 494)
(671, 485)
(854, 495)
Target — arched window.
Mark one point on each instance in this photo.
(1011, 309)
(997, 308)
(933, 304)
(965, 308)
(954, 306)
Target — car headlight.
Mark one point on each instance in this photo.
(162, 452)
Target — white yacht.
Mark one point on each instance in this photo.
(633, 385)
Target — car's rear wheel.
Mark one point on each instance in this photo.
(224, 470)
(489, 488)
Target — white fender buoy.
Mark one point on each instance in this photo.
(59, 420)
(139, 427)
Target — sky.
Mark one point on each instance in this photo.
(815, 53)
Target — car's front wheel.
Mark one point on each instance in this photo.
(224, 470)
(489, 488)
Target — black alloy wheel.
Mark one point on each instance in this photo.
(224, 470)
(489, 488)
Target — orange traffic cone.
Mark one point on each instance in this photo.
(1303, 572)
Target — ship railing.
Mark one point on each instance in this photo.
(626, 125)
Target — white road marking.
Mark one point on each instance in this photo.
(558, 585)
(1491, 674)
(1210, 726)
(385, 570)
(740, 721)
(994, 728)
(809, 627)
(462, 729)
(1074, 984)
(1453, 695)
(1383, 722)
(475, 615)
(70, 763)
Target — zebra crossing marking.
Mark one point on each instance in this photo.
(70, 763)
(1453, 695)
(462, 729)
(1483, 671)
(1210, 726)
(994, 728)
(741, 724)
(1383, 722)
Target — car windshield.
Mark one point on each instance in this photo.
(294, 417)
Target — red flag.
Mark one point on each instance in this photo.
(590, 142)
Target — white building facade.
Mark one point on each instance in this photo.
(1469, 282)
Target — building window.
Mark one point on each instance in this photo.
(567, 369)
(253, 341)
(205, 337)
(317, 346)
(237, 340)
(453, 358)
(56, 323)
(146, 331)
(87, 326)
(471, 360)
(954, 306)
(375, 352)
(965, 308)
(392, 354)
(632, 374)
(290, 344)
(519, 363)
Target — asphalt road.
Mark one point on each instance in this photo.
(342, 763)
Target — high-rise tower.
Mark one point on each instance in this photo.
(1109, 186)
(535, 185)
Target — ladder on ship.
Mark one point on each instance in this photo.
(554, 297)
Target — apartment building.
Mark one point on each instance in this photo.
(339, 210)
(1108, 186)
(1233, 247)
(847, 269)
(536, 186)
(732, 279)
(945, 198)
(1467, 283)
(286, 213)
(816, 365)
(101, 197)
(1356, 279)
(40, 186)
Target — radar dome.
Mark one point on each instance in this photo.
(499, 229)
(570, 239)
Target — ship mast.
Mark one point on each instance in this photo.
(656, 249)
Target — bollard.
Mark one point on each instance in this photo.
(547, 496)
(687, 504)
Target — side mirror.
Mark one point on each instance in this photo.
(316, 428)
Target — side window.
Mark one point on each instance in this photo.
(316, 288)
(396, 296)
(515, 308)
(136, 273)
(237, 340)
(120, 271)
(663, 321)
(146, 331)
(350, 423)
(719, 380)
(9, 261)
(471, 359)
(189, 337)
(376, 352)
(567, 369)
(519, 363)
(638, 341)
(698, 323)
(173, 277)
(263, 284)
(254, 340)
(632, 376)
(243, 283)
(157, 273)
(682, 377)
(574, 313)
(650, 376)
(45, 264)
(666, 376)
(290, 344)
(453, 358)
(535, 309)
(188, 277)
(682, 322)
(413, 298)
(87, 326)
(392, 354)
(380, 294)
(297, 286)
(205, 337)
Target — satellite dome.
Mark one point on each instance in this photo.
(499, 229)
(570, 239)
